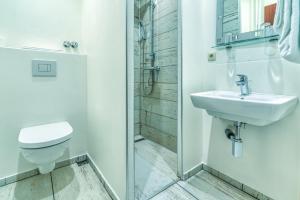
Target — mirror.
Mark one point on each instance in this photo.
(244, 20)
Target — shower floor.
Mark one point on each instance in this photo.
(156, 178)
(66, 183)
(202, 186)
(155, 169)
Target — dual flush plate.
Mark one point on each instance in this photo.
(43, 68)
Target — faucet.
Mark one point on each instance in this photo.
(244, 85)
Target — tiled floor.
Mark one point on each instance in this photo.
(67, 183)
(203, 186)
(155, 169)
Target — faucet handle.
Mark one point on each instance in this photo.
(242, 77)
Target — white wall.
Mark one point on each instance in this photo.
(43, 24)
(192, 54)
(27, 101)
(105, 42)
(270, 163)
(270, 153)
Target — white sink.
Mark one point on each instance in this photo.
(256, 109)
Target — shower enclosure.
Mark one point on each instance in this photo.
(156, 96)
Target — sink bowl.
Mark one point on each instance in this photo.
(256, 109)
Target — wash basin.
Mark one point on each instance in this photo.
(256, 109)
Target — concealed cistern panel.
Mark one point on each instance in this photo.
(43, 68)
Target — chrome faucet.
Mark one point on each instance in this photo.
(244, 85)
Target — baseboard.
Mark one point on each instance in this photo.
(27, 174)
(103, 180)
(243, 187)
(192, 171)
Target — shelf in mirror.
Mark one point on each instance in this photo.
(247, 42)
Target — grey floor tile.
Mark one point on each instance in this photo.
(174, 192)
(34, 188)
(74, 182)
(155, 169)
(148, 179)
(159, 157)
(208, 187)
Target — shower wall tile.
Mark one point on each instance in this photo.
(160, 107)
(158, 110)
(137, 102)
(167, 57)
(166, 40)
(137, 61)
(164, 57)
(163, 41)
(137, 90)
(164, 24)
(137, 116)
(137, 127)
(137, 77)
(165, 75)
(164, 124)
(165, 91)
(168, 74)
(163, 8)
(153, 134)
(137, 45)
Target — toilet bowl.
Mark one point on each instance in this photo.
(43, 145)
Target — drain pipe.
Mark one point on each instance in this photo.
(235, 137)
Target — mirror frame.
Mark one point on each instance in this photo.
(221, 40)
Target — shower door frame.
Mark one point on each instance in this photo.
(130, 157)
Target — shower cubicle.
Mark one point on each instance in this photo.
(155, 95)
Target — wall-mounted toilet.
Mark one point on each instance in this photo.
(43, 145)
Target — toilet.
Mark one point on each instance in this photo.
(44, 144)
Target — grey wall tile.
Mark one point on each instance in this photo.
(165, 91)
(168, 141)
(161, 107)
(160, 122)
(164, 124)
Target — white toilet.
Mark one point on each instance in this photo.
(43, 145)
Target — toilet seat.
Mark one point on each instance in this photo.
(45, 135)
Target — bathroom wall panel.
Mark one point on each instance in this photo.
(42, 24)
(27, 101)
(104, 25)
(193, 57)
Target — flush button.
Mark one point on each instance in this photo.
(43, 68)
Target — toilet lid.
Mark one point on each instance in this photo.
(45, 135)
